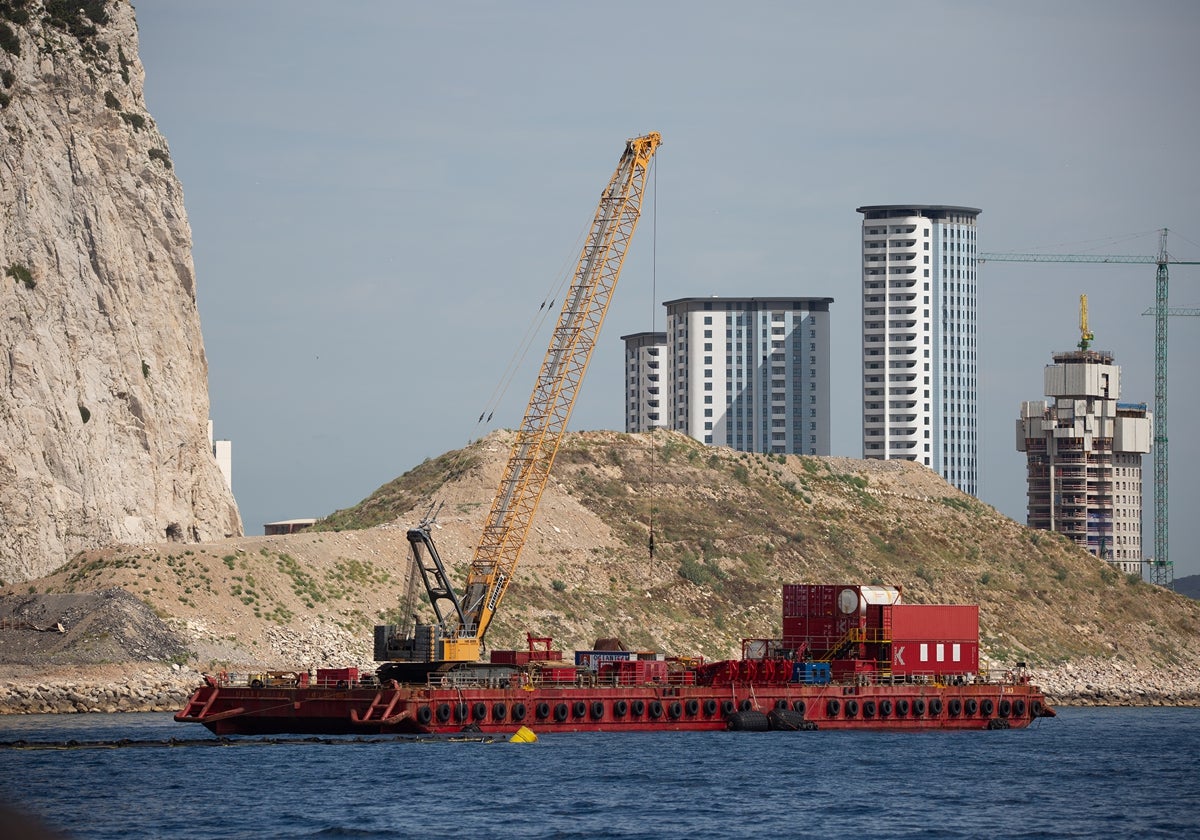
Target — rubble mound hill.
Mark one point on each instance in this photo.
(84, 628)
(729, 528)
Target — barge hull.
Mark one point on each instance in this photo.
(241, 710)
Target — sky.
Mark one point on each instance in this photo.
(382, 194)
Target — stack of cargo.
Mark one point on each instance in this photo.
(830, 622)
(866, 632)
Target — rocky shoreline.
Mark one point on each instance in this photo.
(158, 689)
(165, 688)
(1097, 682)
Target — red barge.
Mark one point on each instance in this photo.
(850, 657)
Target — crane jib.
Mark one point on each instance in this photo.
(527, 471)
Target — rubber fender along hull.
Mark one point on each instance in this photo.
(241, 710)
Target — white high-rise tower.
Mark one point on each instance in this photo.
(647, 394)
(920, 343)
(751, 373)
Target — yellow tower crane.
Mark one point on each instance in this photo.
(1162, 570)
(1085, 335)
(457, 635)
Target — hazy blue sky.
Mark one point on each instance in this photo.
(381, 194)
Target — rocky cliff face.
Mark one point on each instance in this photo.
(103, 379)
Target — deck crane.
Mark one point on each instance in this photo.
(1161, 565)
(462, 620)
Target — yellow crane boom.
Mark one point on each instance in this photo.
(1085, 335)
(462, 622)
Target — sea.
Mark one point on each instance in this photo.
(1088, 773)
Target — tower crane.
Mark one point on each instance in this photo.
(1085, 335)
(1161, 565)
(463, 619)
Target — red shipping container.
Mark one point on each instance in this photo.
(934, 657)
(803, 599)
(818, 631)
(635, 673)
(558, 674)
(845, 670)
(944, 622)
(510, 657)
(339, 677)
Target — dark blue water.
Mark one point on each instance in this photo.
(1090, 773)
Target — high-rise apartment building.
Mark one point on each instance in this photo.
(647, 398)
(751, 373)
(1084, 458)
(920, 348)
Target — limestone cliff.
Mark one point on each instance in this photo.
(104, 397)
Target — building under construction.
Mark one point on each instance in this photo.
(1084, 453)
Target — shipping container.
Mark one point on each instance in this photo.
(848, 670)
(934, 657)
(821, 635)
(336, 677)
(558, 674)
(510, 657)
(935, 622)
(805, 599)
(635, 673)
(812, 673)
(591, 659)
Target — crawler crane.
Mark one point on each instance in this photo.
(462, 620)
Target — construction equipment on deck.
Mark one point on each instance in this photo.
(462, 621)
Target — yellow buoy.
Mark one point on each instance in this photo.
(524, 735)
